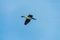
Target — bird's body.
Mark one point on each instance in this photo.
(28, 19)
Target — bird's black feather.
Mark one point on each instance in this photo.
(30, 16)
(27, 21)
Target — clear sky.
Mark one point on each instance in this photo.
(46, 27)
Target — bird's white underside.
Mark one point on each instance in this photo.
(28, 17)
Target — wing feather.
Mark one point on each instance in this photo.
(27, 21)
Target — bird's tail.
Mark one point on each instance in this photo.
(34, 19)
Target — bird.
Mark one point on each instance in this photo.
(28, 18)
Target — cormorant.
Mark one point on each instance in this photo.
(28, 18)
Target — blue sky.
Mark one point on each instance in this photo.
(46, 27)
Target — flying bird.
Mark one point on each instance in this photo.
(28, 18)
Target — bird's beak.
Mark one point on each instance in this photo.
(22, 16)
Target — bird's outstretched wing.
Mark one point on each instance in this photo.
(27, 21)
(30, 16)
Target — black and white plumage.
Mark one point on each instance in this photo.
(28, 19)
